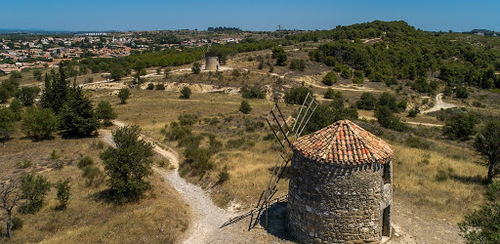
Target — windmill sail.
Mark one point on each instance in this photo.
(285, 136)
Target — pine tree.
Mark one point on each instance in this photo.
(77, 115)
(56, 92)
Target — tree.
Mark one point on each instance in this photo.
(462, 92)
(7, 118)
(487, 142)
(127, 165)
(104, 111)
(39, 123)
(123, 95)
(77, 117)
(483, 225)
(388, 100)
(4, 94)
(117, 74)
(10, 197)
(16, 106)
(245, 107)
(27, 95)
(63, 193)
(56, 91)
(196, 68)
(330, 78)
(296, 95)
(367, 101)
(253, 92)
(185, 92)
(280, 56)
(387, 119)
(460, 126)
(34, 191)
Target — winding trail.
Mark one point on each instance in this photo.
(439, 104)
(206, 217)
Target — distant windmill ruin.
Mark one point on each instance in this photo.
(211, 58)
(340, 187)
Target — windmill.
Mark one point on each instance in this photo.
(285, 136)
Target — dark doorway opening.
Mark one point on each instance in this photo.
(386, 221)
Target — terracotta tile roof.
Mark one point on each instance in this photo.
(343, 143)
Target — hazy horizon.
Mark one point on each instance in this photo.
(257, 15)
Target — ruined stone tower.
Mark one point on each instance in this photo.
(340, 186)
(211, 61)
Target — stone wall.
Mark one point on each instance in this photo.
(333, 204)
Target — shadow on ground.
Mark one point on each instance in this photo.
(276, 221)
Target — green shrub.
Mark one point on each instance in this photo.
(53, 154)
(441, 175)
(245, 107)
(34, 191)
(298, 64)
(331, 94)
(416, 142)
(84, 162)
(223, 176)
(24, 164)
(253, 92)
(178, 132)
(186, 92)
(188, 119)
(150, 86)
(160, 87)
(330, 78)
(17, 224)
(63, 193)
(413, 113)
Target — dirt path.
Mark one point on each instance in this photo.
(439, 104)
(206, 217)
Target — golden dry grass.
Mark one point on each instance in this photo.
(453, 192)
(161, 217)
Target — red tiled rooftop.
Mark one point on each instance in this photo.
(343, 143)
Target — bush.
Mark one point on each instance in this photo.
(27, 95)
(416, 142)
(441, 175)
(150, 86)
(160, 87)
(331, 94)
(298, 64)
(34, 191)
(17, 224)
(124, 94)
(223, 176)
(367, 101)
(245, 107)
(330, 78)
(462, 92)
(39, 123)
(186, 92)
(178, 133)
(346, 73)
(85, 161)
(253, 92)
(236, 73)
(280, 56)
(63, 193)
(196, 69)
(188, 119)
(296, 95)
(235, 143)
(413, 113)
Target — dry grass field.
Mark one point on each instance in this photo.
(161, 217)
(445, 179)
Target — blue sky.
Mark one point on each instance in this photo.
(457, 15)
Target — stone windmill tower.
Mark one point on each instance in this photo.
(340, 186)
